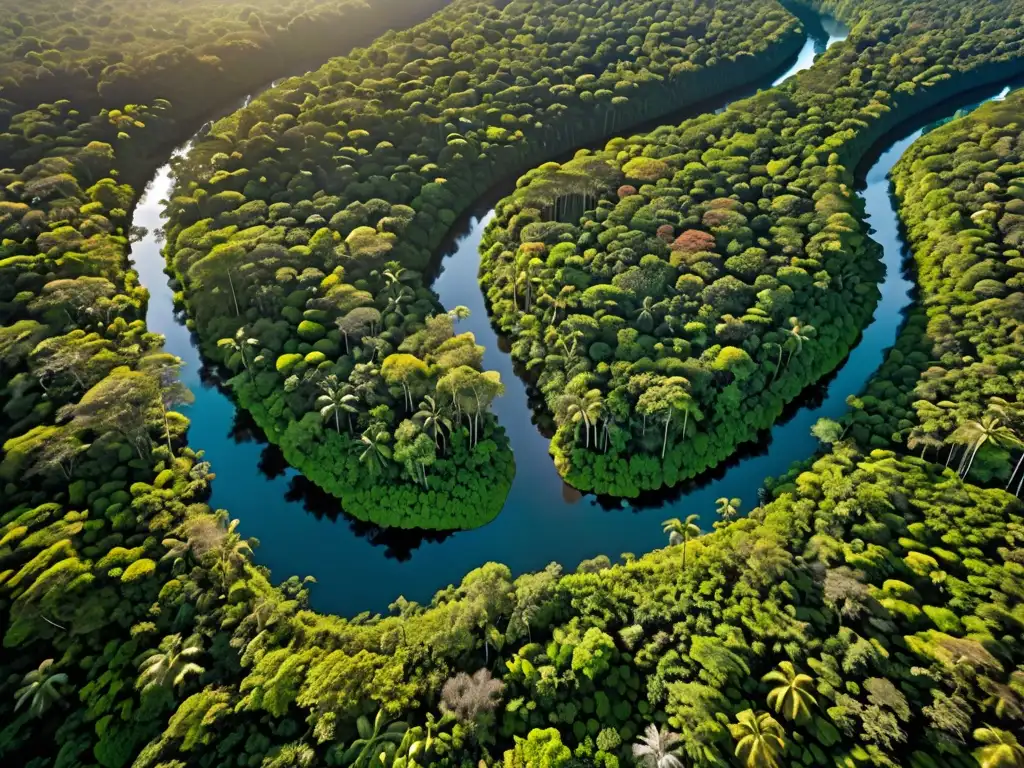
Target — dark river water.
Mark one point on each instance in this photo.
(360, 567)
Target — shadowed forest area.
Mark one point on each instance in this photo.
(666, 293)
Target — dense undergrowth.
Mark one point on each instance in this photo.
(868, 613)
(670, 293)
(960, 355)
(307, 221)
(61, 62)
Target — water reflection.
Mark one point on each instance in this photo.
(272, 463)
(398, 543)
(359, 566)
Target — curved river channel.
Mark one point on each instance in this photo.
(360, 567)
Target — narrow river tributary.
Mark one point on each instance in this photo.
(361, 567)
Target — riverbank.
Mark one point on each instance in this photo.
(304, 530)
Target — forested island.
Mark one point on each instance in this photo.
(304, 226)
(671, 293)
(866, 611)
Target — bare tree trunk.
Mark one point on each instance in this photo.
(977, 447)
(1014, 473)
(963, 461)
(664, 442)
(167, 428)
(53, 623)
(234, 298)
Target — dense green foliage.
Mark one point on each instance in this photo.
(961, 353)
(197, 54)
(866, 616)
(867, 613)
(671, 292)
(305, 224)
(70, 314)
(869, 609)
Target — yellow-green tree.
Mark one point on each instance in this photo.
(793, 696)
(760, 740)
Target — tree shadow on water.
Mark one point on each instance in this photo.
(811, 399)
(399, 543)
(272, 464)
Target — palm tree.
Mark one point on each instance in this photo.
(374, 741)
(258, 623)
(171, 665)
(924, 440)
(655, 748)
(688, 405)
(240, 344)
(376, 452)
(562, 299)
(793, 697)
(233, 553)
(393, 273)
(798, 334)
(40, 689)
(974, 434)
(645, 315)
(336, 400)
(1016, 468)
(680, 532)
(375, 344)
(433, 418)
(769, 346)
(1000, 749)
(574, 410)
(678, 398)
(1010, 414)
(593, 404)
(760, 740)
(458, 313)
(727, 508)
(666, 398)
(570, 348)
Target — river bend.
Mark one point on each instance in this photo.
(361, 567)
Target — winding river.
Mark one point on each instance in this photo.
(360, 567)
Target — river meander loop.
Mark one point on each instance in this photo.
(361, 567)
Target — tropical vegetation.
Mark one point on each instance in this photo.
(950, 389)
(308, 223)
(687, 283)
(865, 612)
